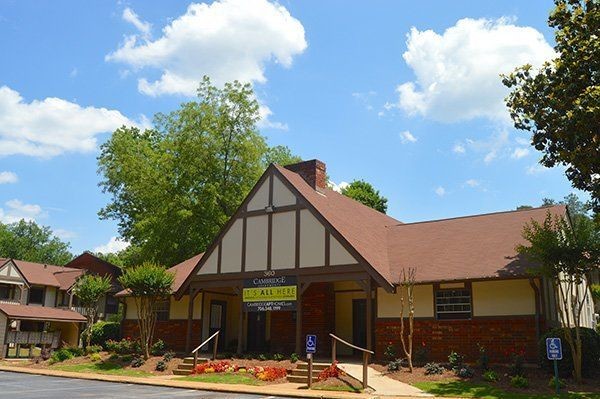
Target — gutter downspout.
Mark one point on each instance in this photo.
(536, 292)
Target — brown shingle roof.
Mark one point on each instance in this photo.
(50, 275)
(39, 313)
(471, 247)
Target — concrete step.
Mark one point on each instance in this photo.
(190, 360)
(316, 366)
(304, 373)
(298, 379)
(182, 372)
(185, 366)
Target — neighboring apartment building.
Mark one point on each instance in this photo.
(298, 258)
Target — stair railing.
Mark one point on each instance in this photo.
(366, 353)
(215, 336)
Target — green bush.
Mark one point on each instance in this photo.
(137, 362)
(123, 347)
(561, 383)
(93, 349)
(490, 376)
(433, 368)
(465, 372)
(158, 348)
(104, 331)
(61, 355)
(278, 357)
(394, 365)
(94, 357)
(161, 365)
(456, 360)
(519, 381)
(76, 351)
(168, 356)
(125, 358)
(294, 357)
(590, 340)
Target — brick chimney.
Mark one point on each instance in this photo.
(313, 172)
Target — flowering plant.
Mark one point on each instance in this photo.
(332, 371)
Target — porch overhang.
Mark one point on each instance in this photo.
(40, 313)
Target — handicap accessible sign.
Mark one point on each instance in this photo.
(311, 343)
(554, 349)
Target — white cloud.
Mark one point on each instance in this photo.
(459, 149)
(440, 191)
(490, 156)
(472, 183)
(227, 40)
(265, 121)
(16, 210)
(52, 126)
(536, 169)
(407, 137)
(457, 72)
(130, 16)
(338, 187)
(112, 246)
(64, 234)
(520, 152)
(8, 177)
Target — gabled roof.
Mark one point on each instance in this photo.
(49, 275)
(28, 312)
(470, 247)
(96, 265)
(181, 270)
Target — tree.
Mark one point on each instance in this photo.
(26, 240)
(407, 298)
(185, 177)
(560, 103)
(567, 254)
(147, 283)
(90, 289)
(280, 155)
(366, 194)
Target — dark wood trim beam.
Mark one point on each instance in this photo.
(244, 235)
(270, 241)
(327, 249)
(297, 246)
(276, 209)
(219, 256)
(369, 325)
(188, 336)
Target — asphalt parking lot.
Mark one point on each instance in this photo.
(28, 386)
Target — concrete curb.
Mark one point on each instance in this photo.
(266, 390)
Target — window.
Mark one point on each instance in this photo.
(7, 292)
(36, 295)
(451, 304)
(161, 308)
(112, 305)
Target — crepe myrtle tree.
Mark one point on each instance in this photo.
(407, 300)
(90, 289)
(147, 283)
(568, 253)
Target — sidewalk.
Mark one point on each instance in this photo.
(381, 384)
(287, 389)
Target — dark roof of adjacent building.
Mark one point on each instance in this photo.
(28, 312)
(96, 265)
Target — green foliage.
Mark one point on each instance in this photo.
(484, 359)
(32, 242)
(390, 351)
(137, 362)
(595, 288)
(262, 357)
(93, 349)
(104, 331)
(394, 365)
(455, 360)
(294, 357)
(490, 376)
(590, 361)
(519, 381)
(433, 368)
(280, 155)
(561, 383)
(89, 289)
(158, 348)
(76, 351)
(94, 357)
(168, 356)
(560, 103)
(161, 365)
(465, 372)
(147, 280)
(278, 357)
(366, 194)
(186, 176)
(61, 355)
(123, 347)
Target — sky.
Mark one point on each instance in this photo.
(405, 95)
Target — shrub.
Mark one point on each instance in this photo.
(271, 373)
(168, 356)
(104, 331)
(561, 383)
(518, 381)
(517, 358)
(490, 376)
(394, 365)
(215, 367)
(333, 371)
(137, 362)
(278, 357)
(125, 358)
(161, 365)
(94, 357)
(123, 347)
(390, 351)
(93, 349)
(294, 357)
(158, 348)
(465, 372)
(262, 357)
(76, 351)
(484, 359)
(456, 360)
(61, 355)
(590, 341)
(421, 354)
(434, 368)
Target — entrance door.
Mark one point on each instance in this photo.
(257, 326)
(217, 321)
(359, 323)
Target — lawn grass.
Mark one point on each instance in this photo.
(222, 378)
(101, 368)
(465, 389)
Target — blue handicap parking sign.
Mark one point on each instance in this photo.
(311, 343)
(554, 349)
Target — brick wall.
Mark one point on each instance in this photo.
(441, 337)
(318, 317)
(173, 332)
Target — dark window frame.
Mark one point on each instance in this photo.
(163, 314)
(113, 306)
(43, 300)
(457, 315)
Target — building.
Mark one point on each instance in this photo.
(36, 306)
(298, 258)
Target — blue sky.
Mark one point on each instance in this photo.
(405, 95)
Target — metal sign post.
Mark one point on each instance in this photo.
(554, 353)
(311, 348)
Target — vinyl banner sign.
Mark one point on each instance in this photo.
(270, 293)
